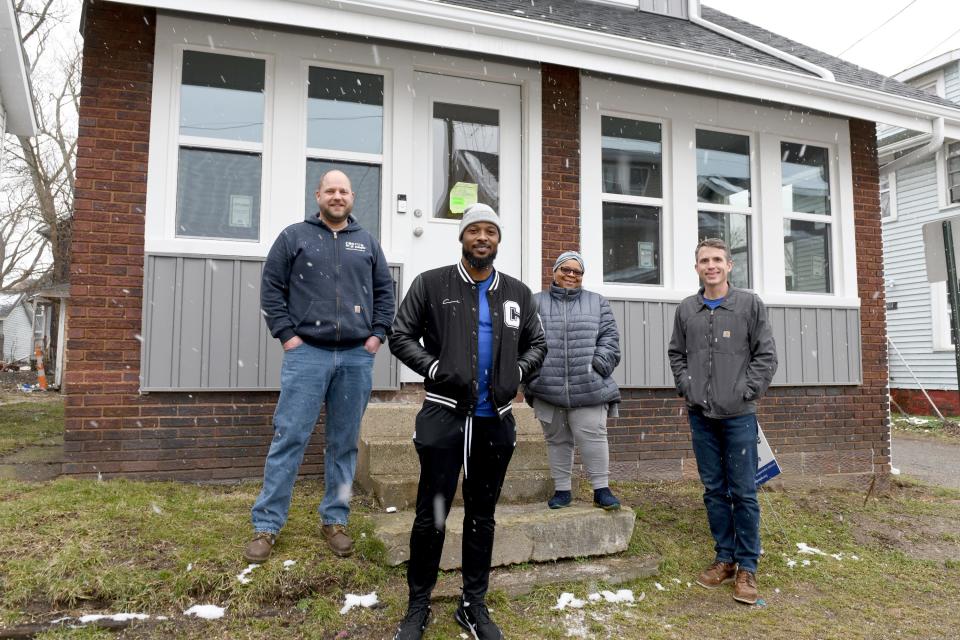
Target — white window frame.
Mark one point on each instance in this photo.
(643, 201)
(682, 113)
(891, 179)
(726, 208)
(936, 80)
(940, 317)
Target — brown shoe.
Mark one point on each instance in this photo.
(337, 539)
(717, 574)
(745, 587)
(258, 549)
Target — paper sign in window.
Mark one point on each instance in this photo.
(645, 253)
(241, 211)
(462, 196)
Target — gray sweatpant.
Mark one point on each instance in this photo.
(584, 426)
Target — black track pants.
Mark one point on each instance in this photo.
(439, 439)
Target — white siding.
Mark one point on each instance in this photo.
(17, 335)
(951, 81)
(910, 325)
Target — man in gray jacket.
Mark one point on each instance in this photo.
(723, 358)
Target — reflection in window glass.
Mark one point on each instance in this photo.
(222, 96)
(734, 229)
(953, 172)
(345, 111)
(806, 178)
(631, 243)
(218, 194)
(885, 210)
(806, 254)
(723, 168)
(365, 180)
(632, 157)
(466, 158)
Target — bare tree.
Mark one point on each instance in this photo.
(37, 200)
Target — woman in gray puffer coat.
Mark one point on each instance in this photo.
(574, 392)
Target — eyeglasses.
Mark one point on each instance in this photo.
(567, 271)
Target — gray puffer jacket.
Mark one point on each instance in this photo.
(583, 348)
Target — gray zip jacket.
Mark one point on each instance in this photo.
(583, 349)
(724, 359)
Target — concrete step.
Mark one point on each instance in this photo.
(392, 456)
(396, 419)
(400, 491)
(525, 533)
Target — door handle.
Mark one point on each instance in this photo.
(418, 231)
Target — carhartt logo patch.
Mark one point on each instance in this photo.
(726, 334)
(356, 309)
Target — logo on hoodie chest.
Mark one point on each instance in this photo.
(350, 245)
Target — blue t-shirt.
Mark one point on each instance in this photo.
(713, 304)
(484, 352)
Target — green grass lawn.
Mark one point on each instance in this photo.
(948, 429)
(73, 547)
(29, 421)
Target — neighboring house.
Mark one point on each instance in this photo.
(625, 129)
(49, 327)
(919, 183)
(16, 105)
(16, 328)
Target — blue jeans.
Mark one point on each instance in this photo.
(726, 451)
(309, 377)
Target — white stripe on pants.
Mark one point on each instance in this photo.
(584, 426)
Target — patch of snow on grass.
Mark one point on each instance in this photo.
(243, 575)
(119, 617)
(352, 601)
(206, 611)
(803, 547)
(567, 599)
(659, 586)
(289, 563)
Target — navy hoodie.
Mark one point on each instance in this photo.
(331, 288)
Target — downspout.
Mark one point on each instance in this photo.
(936, 142)
(693, 13)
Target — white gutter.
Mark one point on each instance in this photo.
(693, 13)
(14, 76)
(936, 142)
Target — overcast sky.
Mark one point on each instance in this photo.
(924, 29)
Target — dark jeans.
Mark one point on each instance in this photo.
(726, 451)
(439, 440)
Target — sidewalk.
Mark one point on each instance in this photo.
(932, 460)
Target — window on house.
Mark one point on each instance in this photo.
(723, 194)
(345, 132)
(888, 196)
(805, 192)
(632, 175)
(953, 173)
(940, 312)
(222, 101)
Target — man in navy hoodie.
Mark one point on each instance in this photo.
(327, 295)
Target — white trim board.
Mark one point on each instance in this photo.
(444, 26)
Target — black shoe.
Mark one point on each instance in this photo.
(560, 499)
(413, 624)
(604, 499)
(475, 618)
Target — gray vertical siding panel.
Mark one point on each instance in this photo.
(778, 324)
(853, 331)
(792, 349)
(841, 345)
(825, 368)
(674, 8)
(808, 343)
(202, 328)
(619, 313)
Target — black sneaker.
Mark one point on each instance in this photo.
(413, 624)
(475, 618)
(560, 499)
(605, 499)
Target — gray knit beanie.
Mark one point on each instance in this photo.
(479, 212)
(569, 255)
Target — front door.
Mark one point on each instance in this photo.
(466, 149)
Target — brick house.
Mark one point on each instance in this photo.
(627, 129)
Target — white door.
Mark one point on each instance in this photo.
(466, 149)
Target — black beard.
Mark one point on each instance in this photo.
(479, 263)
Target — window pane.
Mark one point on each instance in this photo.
(806, 178)
(632, 157)
(365, 180)
(734, 229)
(885, 196)
(222, 96)
(631, 243)
(806, 254)
(723, 168)
(953, 172)
(218, 194)
(345, 111)
(466, 158)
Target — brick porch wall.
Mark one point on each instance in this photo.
(913, 401)
(111, 428)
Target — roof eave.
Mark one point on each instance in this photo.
(484, 32)
(928, 66)
(14, 76)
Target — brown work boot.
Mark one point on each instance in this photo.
(337, 539)
(717, 574)
(258, 549)
(745, 587)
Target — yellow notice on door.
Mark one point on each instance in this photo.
(462, 196)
